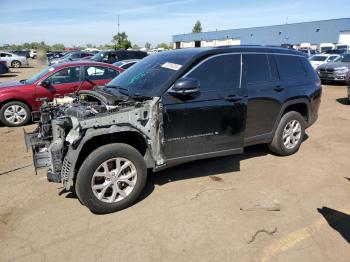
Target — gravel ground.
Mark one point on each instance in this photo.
(201, 211)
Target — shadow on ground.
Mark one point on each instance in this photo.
(337, 220)
(201, 168)
(7, 75)
(343, 101)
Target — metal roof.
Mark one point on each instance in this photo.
(324, 31)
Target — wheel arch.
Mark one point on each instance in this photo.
(300, 105)
(98, 138)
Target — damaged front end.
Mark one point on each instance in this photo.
(64, 129)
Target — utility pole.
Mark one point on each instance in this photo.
(118, 25)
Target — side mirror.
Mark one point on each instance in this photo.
(45, 83)
(185, 87)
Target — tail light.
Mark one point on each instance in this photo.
(3, 62)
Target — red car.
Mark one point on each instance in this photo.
(19, 99)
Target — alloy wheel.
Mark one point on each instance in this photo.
(114, 180)
(15, 114)
(292, 134)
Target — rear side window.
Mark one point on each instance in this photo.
(256, 68)
(218, 73)
(290, 66)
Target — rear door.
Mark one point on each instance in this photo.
(265, 94)
(99, 75)
(212, 121)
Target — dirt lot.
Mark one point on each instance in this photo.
(192, 212)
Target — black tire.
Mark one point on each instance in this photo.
(104, 153)
(26, 120)
(16, 64)
(277, 145)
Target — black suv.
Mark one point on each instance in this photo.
(170, 108)
(112, 56)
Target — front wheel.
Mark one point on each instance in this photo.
(111, 178)
(289, 134)
(15, 114)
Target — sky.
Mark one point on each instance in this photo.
(74, 22)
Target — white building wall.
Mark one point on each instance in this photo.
(344, 38)
(187, 44)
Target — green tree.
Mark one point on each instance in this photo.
(197, 27)
(121, 41)
(57, 47)
(164, 45)
(135, 47)
(148, 45)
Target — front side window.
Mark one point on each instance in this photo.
(218, 73)
(65, 75)
(290, 66)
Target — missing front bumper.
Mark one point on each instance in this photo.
(40, 150)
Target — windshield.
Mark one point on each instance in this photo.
(343, 58)
(147, 76)
(119, 64)
(36, 77)
(318, 58)
(99, 56)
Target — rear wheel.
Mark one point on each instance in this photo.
(289, 134)
(111, 178)
(15, 113)
(16, 64)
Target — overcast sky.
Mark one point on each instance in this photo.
(95, 21)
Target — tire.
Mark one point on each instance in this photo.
(16, 64)
(292, 126)
(20, 112)
(92, 174)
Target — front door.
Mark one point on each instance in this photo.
(62, 82)
(211, 122)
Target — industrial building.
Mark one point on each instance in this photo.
(321, 35)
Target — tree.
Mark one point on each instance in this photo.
(148, 45)
(57, 47)
(197, 27)
(135, 47)
(164, 45)
(121, 41)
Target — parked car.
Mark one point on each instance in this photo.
(24, 53)
(33, 54)
(320, 59)
(19, 99)
(55, 54)
(338, 70)
(174, 107)
(308, 52)
(113, 56)
(125, 64)
(71, 56)
(336, 51)
(13, 60)
(3, 67)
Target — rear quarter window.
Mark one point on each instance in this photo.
(290, 66)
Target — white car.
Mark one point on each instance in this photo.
(13, 60)
(317, 60)
(33, 54)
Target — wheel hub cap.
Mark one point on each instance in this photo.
(114, 180)
(292, 134)
(15, 114)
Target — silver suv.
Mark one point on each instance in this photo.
(13, 60)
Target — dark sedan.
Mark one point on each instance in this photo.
(339, 70)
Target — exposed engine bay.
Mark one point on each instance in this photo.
(64, 128)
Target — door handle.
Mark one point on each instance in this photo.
(278, 88)
(233, 98)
